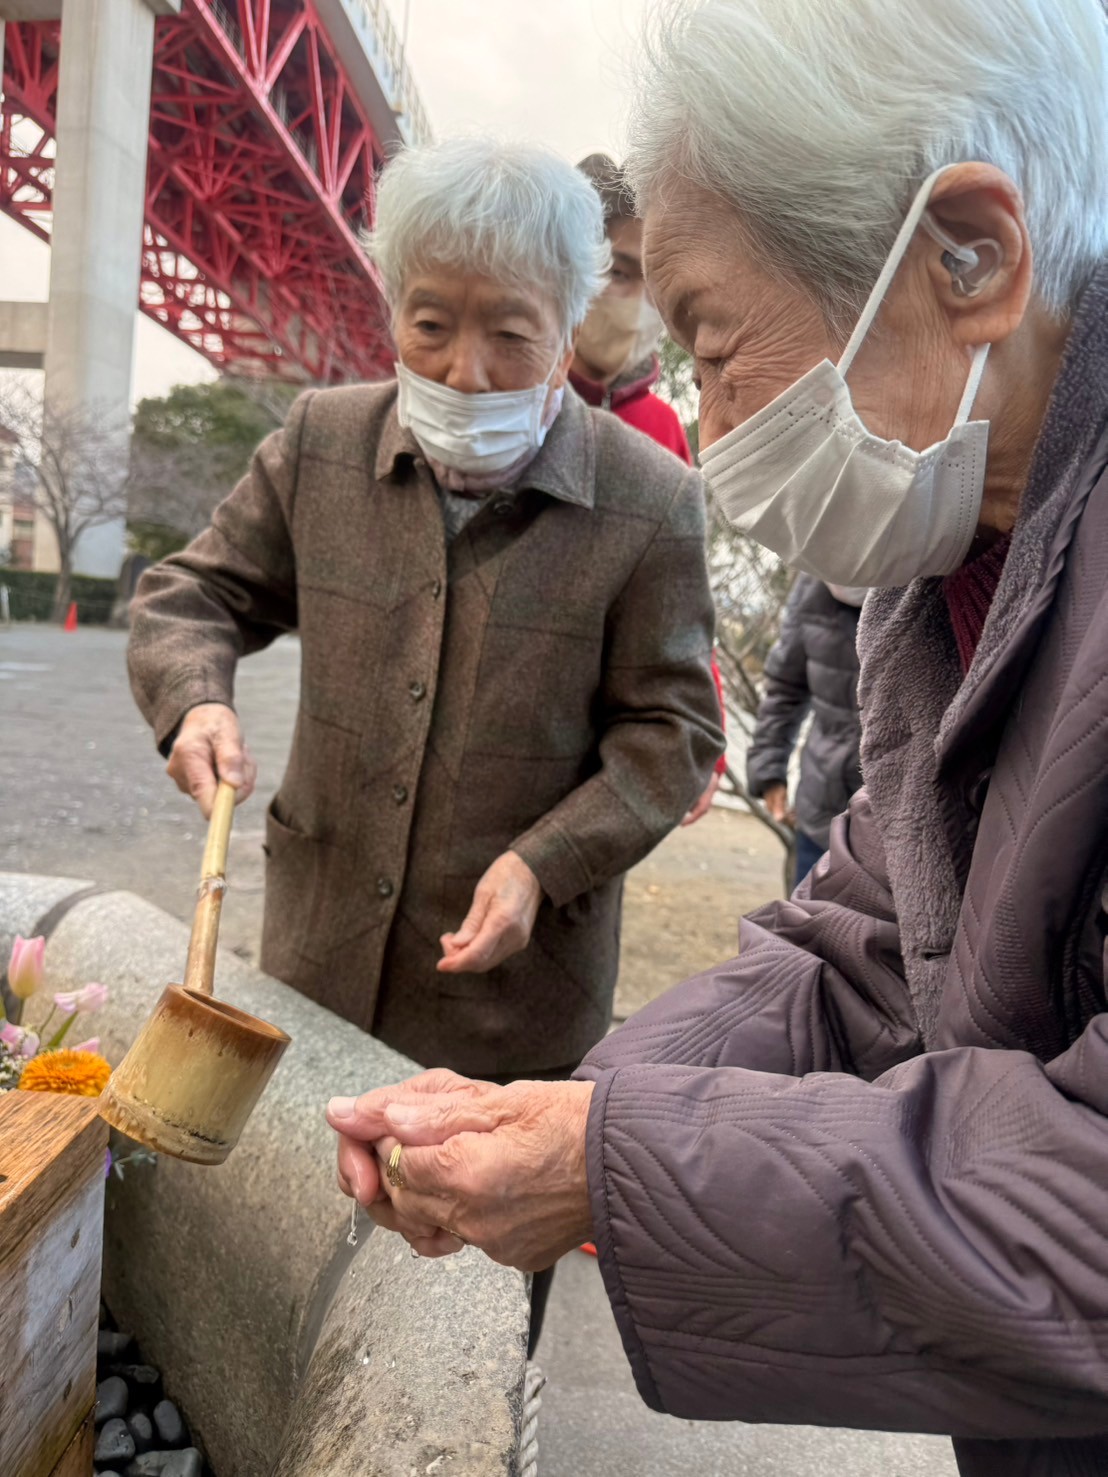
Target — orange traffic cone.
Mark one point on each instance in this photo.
(71, 617)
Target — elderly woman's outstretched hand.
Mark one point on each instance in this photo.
(502, 1168)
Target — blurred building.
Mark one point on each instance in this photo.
(17, 508)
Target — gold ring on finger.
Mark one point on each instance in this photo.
(393, 1173)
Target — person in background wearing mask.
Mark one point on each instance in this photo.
(811, 667)
(503, 606)
(858, 1175)
(615, 358)
(615, 361)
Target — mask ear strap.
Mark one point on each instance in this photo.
(973, 384)
(888, 271)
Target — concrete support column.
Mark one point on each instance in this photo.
(96, 249)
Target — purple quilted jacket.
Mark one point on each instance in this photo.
(858, 1175)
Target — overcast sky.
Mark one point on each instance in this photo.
(554, 72)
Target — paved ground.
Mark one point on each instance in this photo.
(84, 794)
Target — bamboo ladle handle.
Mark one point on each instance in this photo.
(200, 968)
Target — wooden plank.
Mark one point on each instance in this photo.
(77, 1458)
(51, 1237)
(48, 1142)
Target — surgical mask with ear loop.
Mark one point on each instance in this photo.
(477, 434)
(807, 479)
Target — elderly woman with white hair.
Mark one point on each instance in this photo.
(858, 1175)
(506, 628)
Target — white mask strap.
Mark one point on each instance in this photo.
(888, 271)
(973, 384)
(881, 287)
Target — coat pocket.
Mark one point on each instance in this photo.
(294, 930)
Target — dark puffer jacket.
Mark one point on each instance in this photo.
(813, 665)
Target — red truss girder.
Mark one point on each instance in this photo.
(30, 84)
(261, 176)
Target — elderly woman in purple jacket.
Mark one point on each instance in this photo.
(858, 1175)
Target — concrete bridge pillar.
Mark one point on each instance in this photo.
(96, 243)
(84, 335)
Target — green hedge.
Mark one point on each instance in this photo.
(31, 596)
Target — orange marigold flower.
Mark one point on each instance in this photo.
(81, 1073)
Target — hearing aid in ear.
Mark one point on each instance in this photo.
(973, 265)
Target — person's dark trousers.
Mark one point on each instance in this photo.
(541, 1282)
(808, 853)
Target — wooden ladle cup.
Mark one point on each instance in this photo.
(198, 1066)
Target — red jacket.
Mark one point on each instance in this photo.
(633, 400)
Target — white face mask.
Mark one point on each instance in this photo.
(850, 594)
(476, 434)
(806, 479)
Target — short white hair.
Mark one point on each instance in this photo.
(513, 211)
(818, 120)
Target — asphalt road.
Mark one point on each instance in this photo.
(83, 793)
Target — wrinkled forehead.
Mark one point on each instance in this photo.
(701, 266)
(688, 250)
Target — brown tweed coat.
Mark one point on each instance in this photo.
(541, 685)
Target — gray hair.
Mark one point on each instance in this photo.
(515, 212)
(819, 119)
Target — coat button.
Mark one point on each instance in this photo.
(384, 887)
(502, 507)
(418, 691)
(436, 589)
(400, 793)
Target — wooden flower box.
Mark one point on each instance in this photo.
(51, 1231)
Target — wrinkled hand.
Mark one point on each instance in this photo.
(210, 748)
(776, 801)
(499, 922)
(704, 804)
(502, 1168)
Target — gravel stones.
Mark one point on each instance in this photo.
(111, 1399)
(187, 1463)
(150, 1465)
(140, 1432)
(144, 1375)
(169, 1425)
(113, 1346)
(114, 1443)
(144, 1385)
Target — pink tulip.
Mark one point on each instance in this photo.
(92, 1044)
(30, 1045)
(25, 967)
(87, 998)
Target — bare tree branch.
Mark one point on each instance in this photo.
(76, 465)
(749, 587)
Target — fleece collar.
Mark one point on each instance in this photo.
(629, 384)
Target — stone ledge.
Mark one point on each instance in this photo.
(237, 1281)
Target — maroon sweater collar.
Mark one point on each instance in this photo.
(627, 386)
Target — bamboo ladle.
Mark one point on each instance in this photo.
(198, 1066)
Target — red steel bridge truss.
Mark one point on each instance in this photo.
(260, 178)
